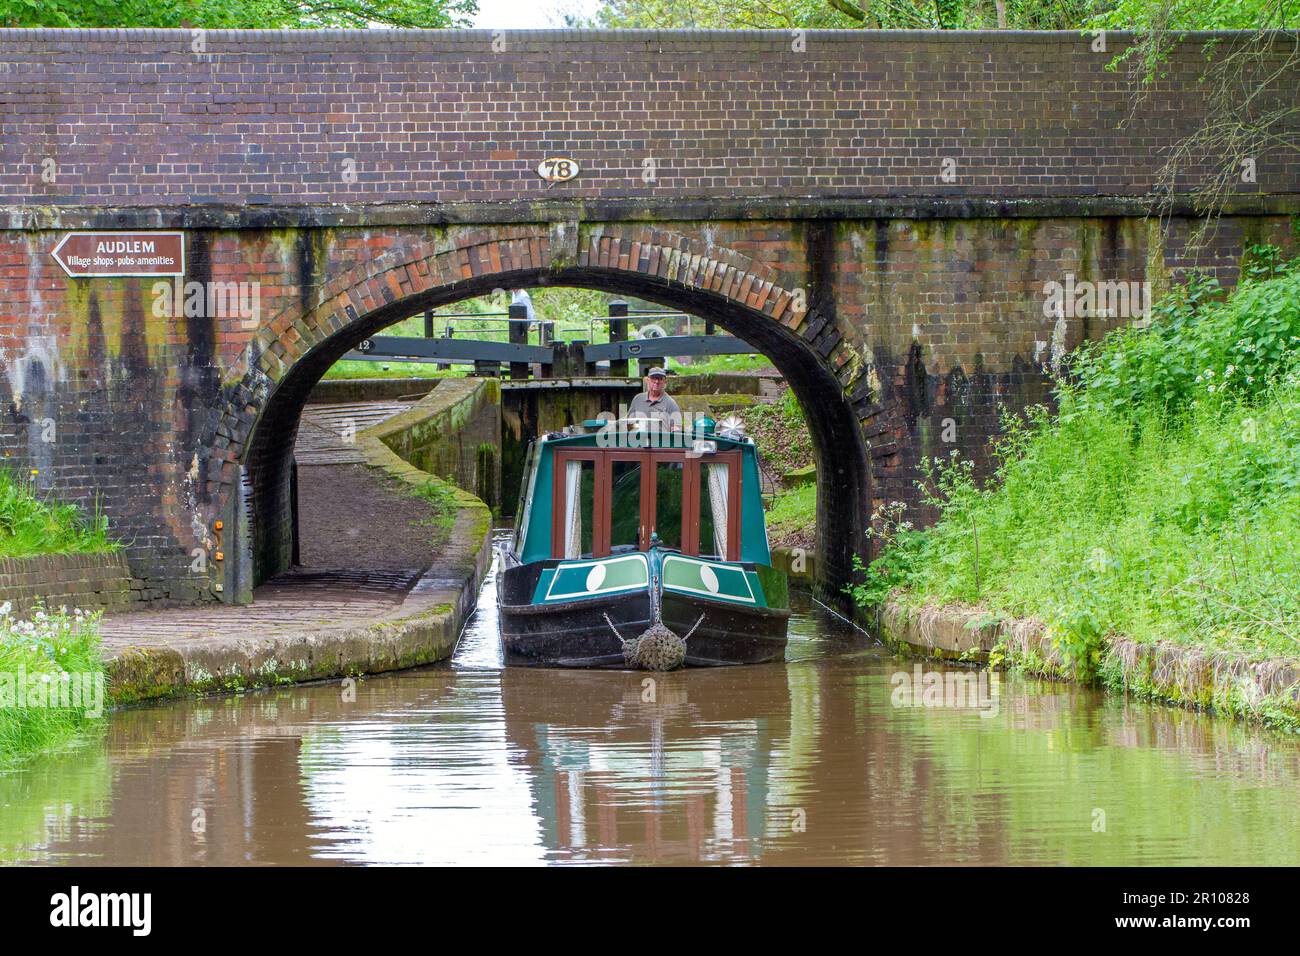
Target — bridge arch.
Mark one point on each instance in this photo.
(248, 446)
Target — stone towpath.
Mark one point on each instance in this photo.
(370, 595)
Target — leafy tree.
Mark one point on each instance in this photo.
(1247, 85)
(238, 14)
(849, 14)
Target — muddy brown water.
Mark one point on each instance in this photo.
(827, 758)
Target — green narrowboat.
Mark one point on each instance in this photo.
(637, 546)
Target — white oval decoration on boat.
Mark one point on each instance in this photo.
(558, 169)
(709, 578)
(595, 577)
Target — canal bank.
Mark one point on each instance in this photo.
(1262, 690)
(339, 616)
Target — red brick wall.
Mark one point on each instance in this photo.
(139, 118)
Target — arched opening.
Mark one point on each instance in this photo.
(843, 480)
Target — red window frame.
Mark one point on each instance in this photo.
(649, 458)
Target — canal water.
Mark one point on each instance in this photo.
(843, 754)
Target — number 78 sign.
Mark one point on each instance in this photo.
(557, 169)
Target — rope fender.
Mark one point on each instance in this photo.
(657, 649)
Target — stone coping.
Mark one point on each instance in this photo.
(1224, 682)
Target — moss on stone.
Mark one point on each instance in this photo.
(1188, 678)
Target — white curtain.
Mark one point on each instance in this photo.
(573, 509)
(718, 503)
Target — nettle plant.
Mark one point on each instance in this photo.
(898, 549)
(1200, 344)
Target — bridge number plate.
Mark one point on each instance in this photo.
(557, 169)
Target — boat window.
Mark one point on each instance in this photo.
(579, 488)
(625, 504)
(612, 500)
(668, 503)
(713, 493)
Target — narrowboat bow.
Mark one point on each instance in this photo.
(637, 547)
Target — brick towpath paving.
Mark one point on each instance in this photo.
(350, 515)
(371, 595)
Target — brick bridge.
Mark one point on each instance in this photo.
(879, 213)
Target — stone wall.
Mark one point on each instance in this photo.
(454, 432)
(339, 391)
(1187, 675)
(93, 582)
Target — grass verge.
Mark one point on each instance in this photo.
(443, 507)
(30, 525)
(1160, 502)
(52, 685)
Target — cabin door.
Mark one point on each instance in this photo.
(620, 499)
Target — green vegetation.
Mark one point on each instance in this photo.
(1161, 501)
(443, 501)
(714, 364)
(1174, 15)
(781, 432)
(945, 14)
(32, 526)
(792, 518)
(348, 369)
(47, 664)
(846, 14)
(238, 14)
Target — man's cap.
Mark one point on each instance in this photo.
(657, 371)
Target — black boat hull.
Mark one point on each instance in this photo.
(577, 634)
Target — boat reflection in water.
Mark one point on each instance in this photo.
(666, 764)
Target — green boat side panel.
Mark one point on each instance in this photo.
(715, 580)
(572, 580)
(775, 584)
(753, 523)
(536, 545)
